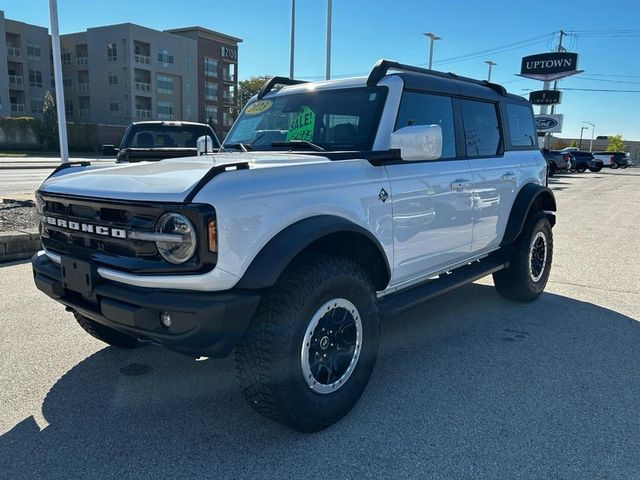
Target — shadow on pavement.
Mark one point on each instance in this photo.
(468, 385)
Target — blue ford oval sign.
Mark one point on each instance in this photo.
(549, 123)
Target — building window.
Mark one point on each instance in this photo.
(228, 116)
(35, 78)
(187, 86)
(164, 57)
(66, 56)
(68, 107)
(114, 106)
(210, 67)
(230, 94)
(229, 72)
(67, 82)
(113, 79)
(211, 91)
(112, 52)
(189, 112)
(164, 84)
(211, 113)
(36, 105)
(481, 130)
(33, 51)
(165, 110)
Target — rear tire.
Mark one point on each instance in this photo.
(595, 170)
(614, 165)
(530, 258)
(309, 350)
(581, 169)
(106, 334)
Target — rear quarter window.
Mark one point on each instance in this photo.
(522, 132)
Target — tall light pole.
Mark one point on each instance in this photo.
(293, 37)
(582, 129)
(57, 75)
(491, 64)
(593, 127)
(329, 8)
(433, 38)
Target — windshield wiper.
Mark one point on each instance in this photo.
(239, 146)
(299, 143)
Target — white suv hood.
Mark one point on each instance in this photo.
(162, 181)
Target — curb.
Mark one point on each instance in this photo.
(19, 244)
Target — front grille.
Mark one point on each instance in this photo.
(114, 249)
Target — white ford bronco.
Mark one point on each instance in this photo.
(329, 205)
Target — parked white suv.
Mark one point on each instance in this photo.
(332, 204)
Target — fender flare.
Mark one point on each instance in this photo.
(267, 266)
(525, 200)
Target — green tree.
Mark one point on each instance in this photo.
(49, 130)
(574, 144)
(250, 87)
(616, 144)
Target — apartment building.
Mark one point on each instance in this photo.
(25, 68)
(117, 74)
(217, 66)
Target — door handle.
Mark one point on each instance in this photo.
(508, 177)
(459, 185)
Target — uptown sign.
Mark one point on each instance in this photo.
(549, 66)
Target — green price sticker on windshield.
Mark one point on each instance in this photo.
(302, 126)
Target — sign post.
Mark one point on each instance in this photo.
(57, 75)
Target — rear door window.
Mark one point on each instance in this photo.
(481, 128)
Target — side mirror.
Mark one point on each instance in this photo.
(418, 142)
(205, 144)
(109, 150)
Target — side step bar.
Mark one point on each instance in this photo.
(396, 303)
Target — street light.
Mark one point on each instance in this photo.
(593, 127)
(433, 38)
(329, 14)
(491, 64)
(293, 38)
(582, 129)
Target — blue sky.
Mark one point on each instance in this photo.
(607, 40)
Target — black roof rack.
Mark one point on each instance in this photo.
(382, 66)
(272, 82)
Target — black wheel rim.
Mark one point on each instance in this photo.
(331, 346)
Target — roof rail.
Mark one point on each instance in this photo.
(272, 82)
(381, 68)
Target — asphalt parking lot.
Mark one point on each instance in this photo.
(466, 386)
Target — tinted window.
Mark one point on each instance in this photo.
(424, 109)
(481, 130)
(522, 131)
(165, 136)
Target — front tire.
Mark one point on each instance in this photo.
(106, 334)
(530, 258)
(595, 169)
(309, 350)
(614, 165)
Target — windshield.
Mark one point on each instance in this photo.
(344, 119)
(166, 136)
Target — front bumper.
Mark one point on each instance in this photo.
(203, 323)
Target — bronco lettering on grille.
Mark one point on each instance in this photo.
(86, 227)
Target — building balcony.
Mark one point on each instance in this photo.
(84, 112)
(143, 87)
(144, 114)
(14, 52)
(229, 99)
(142, 59)
(17, 108)
(17, 80)
(83, 87)
(82, 61)
(227, 77)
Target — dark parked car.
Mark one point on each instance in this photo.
(556, 161)
(149, 141)
(582, 161)
(613, 159)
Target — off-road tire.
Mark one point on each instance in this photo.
(268, 357)
(614, 165)
(581, 169)
(516, 282)
(595, 169)
(106, 334)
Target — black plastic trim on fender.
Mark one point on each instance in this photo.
(213, 172)
(278, 253)
(522, 206)
(64, 165)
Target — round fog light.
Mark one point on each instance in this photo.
(165, 319)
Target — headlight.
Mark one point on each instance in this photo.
(182, 246)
